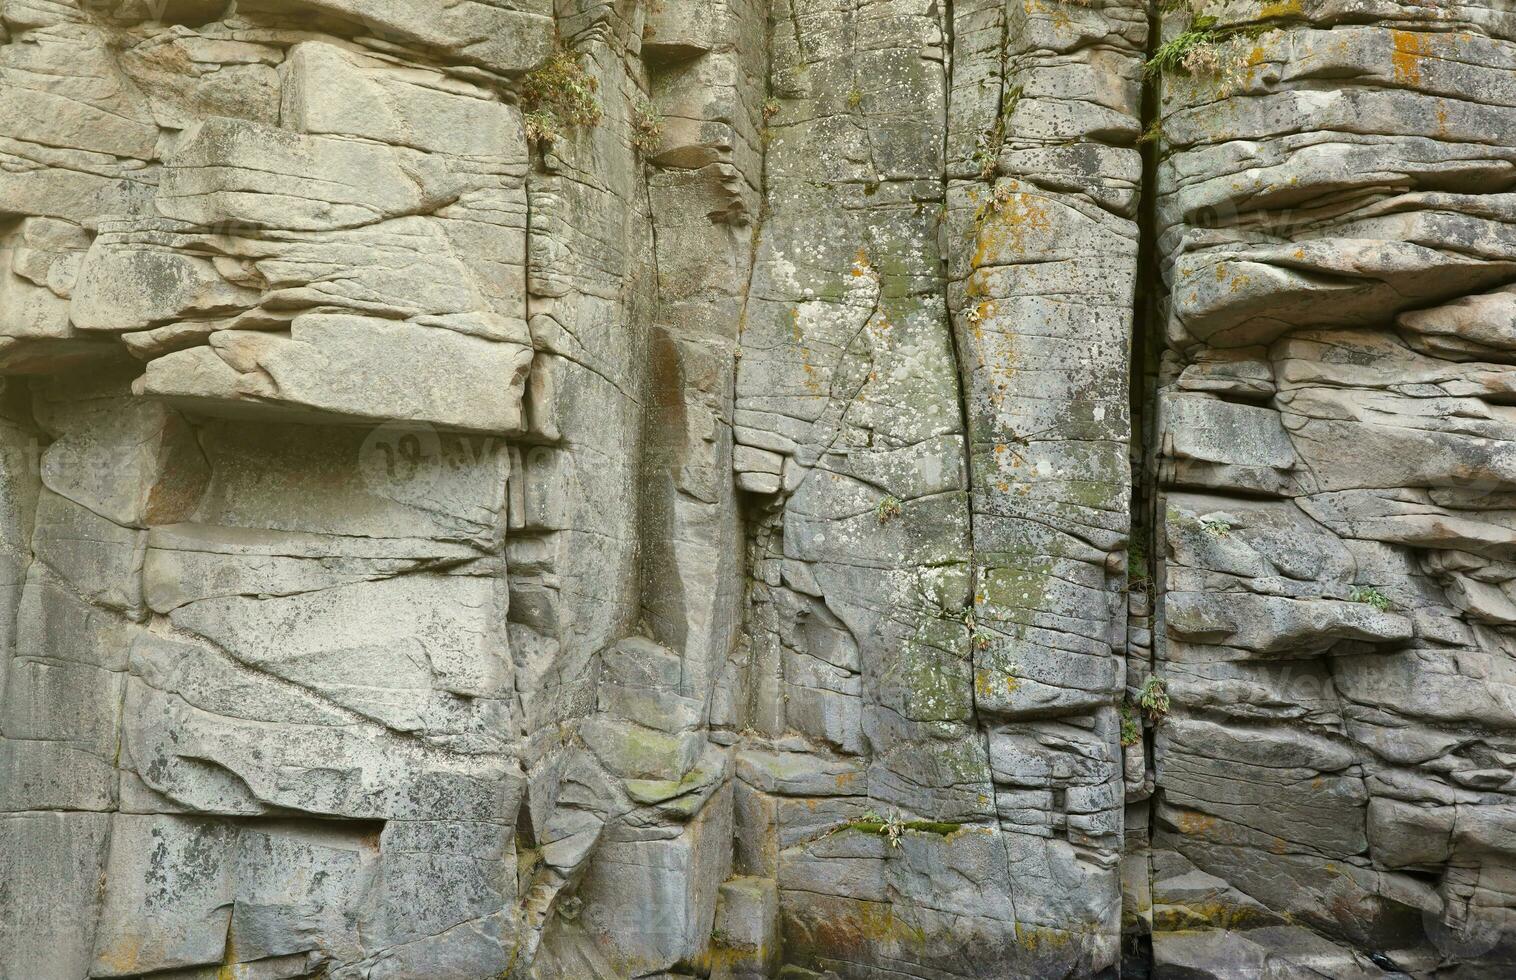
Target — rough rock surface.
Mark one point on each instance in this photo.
(757, 488)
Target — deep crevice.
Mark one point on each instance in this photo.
(1143, 361)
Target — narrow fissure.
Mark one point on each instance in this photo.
(1142, 362)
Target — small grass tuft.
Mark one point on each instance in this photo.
(888, 508)
(1173, 55)
(1371, 596)
(893, 828)
(1137, 575)
(1205, 50)
(1215, 527)
(1131, 725)
(647, 128)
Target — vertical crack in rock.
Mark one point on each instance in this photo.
(1144, 589)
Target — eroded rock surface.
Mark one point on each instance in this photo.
(757, 488)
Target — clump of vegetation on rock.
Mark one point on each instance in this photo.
(558, 96)
(1153, 699)
(1215, 527)
(1131, 725)
(1182, 53)
(887, 509)
(1137, 565)
(893, 827)
(1205, 50)
(647, 128)
(988, 144)
(1370, 595)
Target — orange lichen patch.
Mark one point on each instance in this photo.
(982, 683)
(861, 262)
(724, 956)
(1191, 822)
(1057, 13)
(1011, 224)
(975, 286)
(1234, 280)
(122, 957)
(1410, 48)
(846, 779)
(873, 922)
(1214, 915)
(1040, 937)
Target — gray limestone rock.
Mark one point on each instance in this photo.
(745, 489)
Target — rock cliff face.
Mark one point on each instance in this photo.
(895, 489)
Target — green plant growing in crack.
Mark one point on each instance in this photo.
(999, 199)
(894, 828)
(1153, 699)
(987, 146)
(1153, 133)
(1371, 596)
(888, 508)
(1137, 565)
(1215, 527)
(854, 97)
(1204, 50)
(979, 639)
(989, 142)
(558, 96)
(1173, 55)
(647, 128)
(1131, 725)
